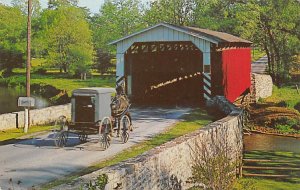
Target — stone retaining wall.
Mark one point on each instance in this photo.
(37, 116)
(262, 86)
(169, 166)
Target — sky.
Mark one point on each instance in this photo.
(93, 5)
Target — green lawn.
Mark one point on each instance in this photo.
(13, 134)
(257, 54)
(279, 159)
(54, 78)
(192, 122)
(264, 184)
(286, 93)
(61, 81)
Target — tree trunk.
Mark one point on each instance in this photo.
(268, 55)
(276, 56)
(65, 68)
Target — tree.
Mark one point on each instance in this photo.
(103, 61)
(117, 18)
(275, 26)
(69, 39)
(179, 12)
(12, 38)
(81, 59)
(53, 4)
(217, 15)
(22, 5)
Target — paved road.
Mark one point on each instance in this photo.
(260, 65)
(36, 161)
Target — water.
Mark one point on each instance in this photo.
(9, 100)
(271, 143)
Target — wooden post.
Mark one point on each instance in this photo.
(297, 88)
(27, 113)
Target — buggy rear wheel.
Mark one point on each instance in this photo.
(105, 130)
(61, 131)
(125, 126)
(61, 138)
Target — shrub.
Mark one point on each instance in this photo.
(245, 184)
(40, 70)
(284, 128)
(213, 165)
(99, 184)
(260, 100)
(282, 104)
(297, 107)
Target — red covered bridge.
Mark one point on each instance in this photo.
(182, 65)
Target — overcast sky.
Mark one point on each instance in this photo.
(93, 5)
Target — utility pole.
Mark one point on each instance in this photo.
(28, 67)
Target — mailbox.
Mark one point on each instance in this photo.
(26, 102)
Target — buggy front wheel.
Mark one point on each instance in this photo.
(125, 126)
(105, 129)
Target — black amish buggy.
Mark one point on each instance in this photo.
(95, 111)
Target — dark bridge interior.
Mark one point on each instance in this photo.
(165, 73)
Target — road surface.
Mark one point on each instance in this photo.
(260, 66)
(31, 162)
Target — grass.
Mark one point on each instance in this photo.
(279, 159)
(286, 93)
(60, 81)
(257, 54)
(192, 122)
(13, 134)
(36, 62)
(264, 184)
(56, 79)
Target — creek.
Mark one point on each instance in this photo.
(264, 142)
(9, 99)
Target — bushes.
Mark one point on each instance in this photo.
(14, 81)
(286, 125)
(282, 104)
(282, 119)
(40, 70)
(213, 167)
(297, 107)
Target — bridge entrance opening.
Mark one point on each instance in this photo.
(164, 73)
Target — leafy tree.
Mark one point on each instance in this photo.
(103, 61)
(179, 12)
(68, 37)
(23, 6)
(81, 59)
(36, 11)
(275, 26)
(117, 18)
(12, 38)
(217, 15)
(53, 4)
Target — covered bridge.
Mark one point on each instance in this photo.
(182, 65)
